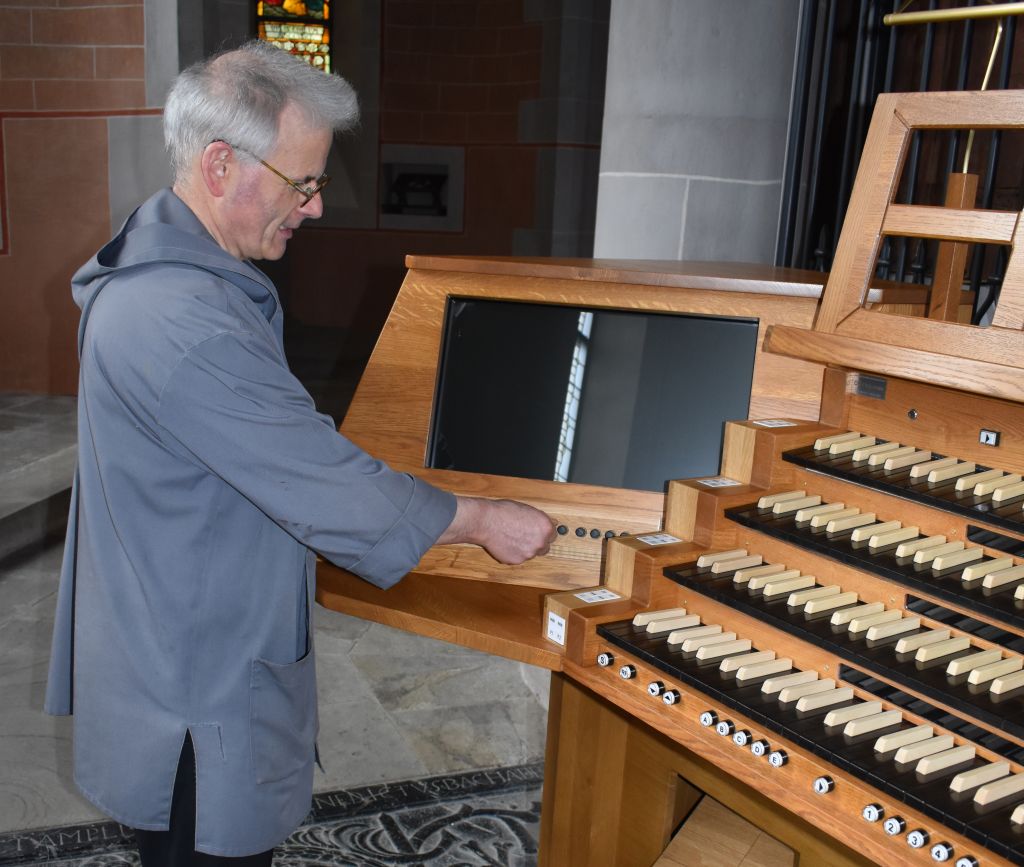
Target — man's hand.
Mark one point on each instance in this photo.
(511, 532)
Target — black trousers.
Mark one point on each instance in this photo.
(176, 847)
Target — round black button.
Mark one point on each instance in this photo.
(595, 534)
(581, 532)
(608, 534)
(562, 529)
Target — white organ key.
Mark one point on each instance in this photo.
(837, 525)
(1018, 815)
(863, 610)
(878, 448)
(1008, 492)
(788, 585)
(826, 442)
(726, 648)
(920, 470)
(1007, 683)
(802, 597)
(879, 459)
(966, 482)
(645, 617)
(997, 669)
(846, 446)
(769, 500)
(873, 723)
(967, 663)
(893, 536)
(678, 636)
(917, 751)
(895, 740)
(983, 488)
(859, 624)
(996, 791)
(979, 570)
(928, 554)
(946, 759)
(744, 575)
(862, 533)
(979, 776)
(957, 558)
(896, 627)
(953, 472)
(761, 669)
(692, 644)
(792, 693)
(1019, 592)
(777, 684)
(824, 699)
(823, 519)
(843, 715)
(840, 600)
(787, 507)
(737, 563)
(734, 662)
(670, 624)
(908, 548)
(898, 462)
(1003, 577)
(708, 559)
(758, 581)
(941, 648)
(823, 509)
(913, 642)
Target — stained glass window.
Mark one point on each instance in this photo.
(302, 27)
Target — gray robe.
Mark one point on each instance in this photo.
(206, 480)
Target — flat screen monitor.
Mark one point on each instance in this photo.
(623, 399)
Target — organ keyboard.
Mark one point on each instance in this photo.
(828, 636)
(846, 626)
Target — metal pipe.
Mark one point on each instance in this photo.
(934, 16)
(795, 141)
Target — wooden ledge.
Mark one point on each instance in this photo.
(966, 374)
(501, 619)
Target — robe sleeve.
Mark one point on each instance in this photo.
(232, 406)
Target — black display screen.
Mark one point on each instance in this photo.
(623, 399)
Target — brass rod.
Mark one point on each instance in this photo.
(930, 16)
(984, 86)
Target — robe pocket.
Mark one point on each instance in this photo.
(282, 717)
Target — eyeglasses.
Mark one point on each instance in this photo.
(303, 190)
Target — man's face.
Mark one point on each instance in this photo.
(263, 209)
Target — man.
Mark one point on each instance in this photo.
(207, 480)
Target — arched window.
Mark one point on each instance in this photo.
(302, 27)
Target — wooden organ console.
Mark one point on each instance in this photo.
(828, 635)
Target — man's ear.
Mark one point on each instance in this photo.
(217, 166)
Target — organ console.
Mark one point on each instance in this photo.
(826, 636)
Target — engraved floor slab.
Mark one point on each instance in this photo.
(484, 817)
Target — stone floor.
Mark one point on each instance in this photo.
(393, 706)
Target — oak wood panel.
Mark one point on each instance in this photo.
(717, 276)
(959, 109)
(943, 421)
(993, 344)
(948, 278)
(998, 380)
(857, 250)
(503, 620)
(1010, 307)
(954, 224)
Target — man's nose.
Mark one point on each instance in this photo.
(314, 208)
